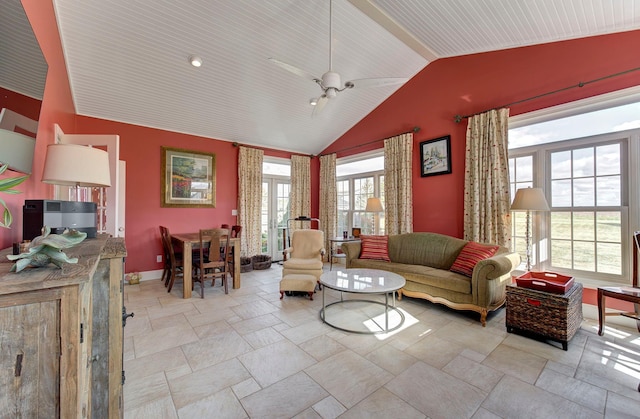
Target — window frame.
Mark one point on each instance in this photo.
(630, 177)
(377, 192)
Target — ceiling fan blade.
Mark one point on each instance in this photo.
(295, 70)
(322, 101)
(375, 82)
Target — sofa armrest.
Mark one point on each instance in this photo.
(491, 276)
(352, 251)
(497, 265)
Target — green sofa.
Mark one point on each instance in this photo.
(424, 259)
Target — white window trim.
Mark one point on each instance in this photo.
(608, 100)
(360, 156)
(594, 103)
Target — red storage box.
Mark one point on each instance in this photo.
(545, 281)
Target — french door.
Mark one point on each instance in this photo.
(275, 213)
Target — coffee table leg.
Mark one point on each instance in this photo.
(601, 313)
(324, 307)
(386, 312)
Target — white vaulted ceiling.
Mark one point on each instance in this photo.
(127, 59)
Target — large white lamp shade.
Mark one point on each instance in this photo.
(374, 205)
(529, 199)
(76, 165)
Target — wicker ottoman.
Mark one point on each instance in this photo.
(552, 316)
(298, 282)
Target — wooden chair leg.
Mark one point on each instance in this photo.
(201, 284)
(311, 295)
(171, 277)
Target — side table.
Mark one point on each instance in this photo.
(631, 295)
(333, 252)
(552, 316)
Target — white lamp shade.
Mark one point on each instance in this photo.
(16, 150)
(529, 199)
(76, 165)
(374, 205)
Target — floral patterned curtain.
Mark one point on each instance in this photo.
(250, 200)
(398, 197)
(487, 197)
(300, 197)
(328, 197)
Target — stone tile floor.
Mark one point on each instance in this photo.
(250, 354)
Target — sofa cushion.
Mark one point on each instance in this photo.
(375, 247)
(471, 254)
(428, 249)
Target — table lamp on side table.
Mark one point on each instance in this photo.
(77, 166)
(529, 199)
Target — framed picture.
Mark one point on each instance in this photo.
(435, 156)
(188, 178)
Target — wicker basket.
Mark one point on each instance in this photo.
(246, 264)
(553, 316)
(261, 262)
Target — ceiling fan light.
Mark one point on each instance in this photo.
(331, 92)
(313, 101)
(331, 79)
(195, 61)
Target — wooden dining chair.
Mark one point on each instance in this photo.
(214, 263)
(166, 271)
(165, 239)
(175, 264)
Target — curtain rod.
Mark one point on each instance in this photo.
(459, 118)
(414, 130)
(237, 144)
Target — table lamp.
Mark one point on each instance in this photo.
(76, 165)
(374, 205)
(529, 199)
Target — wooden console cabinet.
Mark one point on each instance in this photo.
(61, 335)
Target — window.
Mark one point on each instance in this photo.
(586, 215)
(590, 190)
(359, 178)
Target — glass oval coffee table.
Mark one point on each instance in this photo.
(362, 281)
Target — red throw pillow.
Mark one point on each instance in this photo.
(375, 247)
(471, 254)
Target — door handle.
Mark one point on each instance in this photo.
(125, 315)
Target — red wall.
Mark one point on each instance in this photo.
(474, 83)
(140, 148)
(24, 105)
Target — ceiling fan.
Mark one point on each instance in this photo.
(330, 82)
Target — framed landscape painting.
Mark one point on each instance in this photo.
(435, 156)
(188, 178)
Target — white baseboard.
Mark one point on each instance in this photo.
(149, 275)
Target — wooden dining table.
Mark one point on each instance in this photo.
(189, 241)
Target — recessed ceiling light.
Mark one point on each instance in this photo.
(195, 60)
